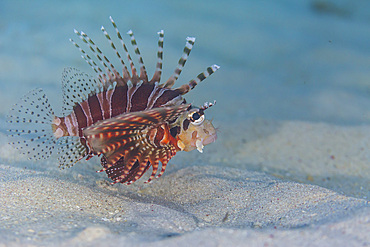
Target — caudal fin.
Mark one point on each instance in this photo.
(30, 126)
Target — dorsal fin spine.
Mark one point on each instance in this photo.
(143, 74)
(133, 69)
(184, 57)
(200, 77)
(158, 69)
(96, 52)
(91, 62)
(113, 69)
(125, 72)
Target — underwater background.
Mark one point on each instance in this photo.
(291, 162)
(286, 60)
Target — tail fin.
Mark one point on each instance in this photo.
(32, 131)
(30, 126)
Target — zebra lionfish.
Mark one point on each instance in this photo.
(132, 122)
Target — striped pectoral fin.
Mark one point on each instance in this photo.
(129, 169)
(163, 155)
(126, 136)
(114, 144)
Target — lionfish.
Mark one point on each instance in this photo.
(132, 122)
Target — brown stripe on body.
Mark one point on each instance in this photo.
(155, 94)
(104, 104)
(86, 108)
(166, 96)
(140, 98)
(132, 88)
(95, 109)
(119, 100)
(81, 118)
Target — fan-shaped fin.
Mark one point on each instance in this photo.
(30, 126)
(129, 172)
(32, 120)
(76, 87)
(70, 150)
(116, 172)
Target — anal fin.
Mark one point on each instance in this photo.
(70, 151)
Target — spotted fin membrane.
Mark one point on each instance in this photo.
(30, 131)
(30, 128)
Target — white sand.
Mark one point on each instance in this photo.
(202, 204)
(335, 157)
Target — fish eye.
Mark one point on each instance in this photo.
(196, 118)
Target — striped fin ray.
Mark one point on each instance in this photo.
(163, 155)
(76, 87)
(91, 62)
(143, 74)
(133, 170)
(126, 74)
(155, 165)
(117, 174)
(167, 153)
(133, 69)
(158, 69)
(110, 71)
(137, 172)
(202, 76)
(126, 136)
(187, 49)
(134, 161)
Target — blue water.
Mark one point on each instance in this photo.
(284, 60)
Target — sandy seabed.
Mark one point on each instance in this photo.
(267, 181)
(202, 200)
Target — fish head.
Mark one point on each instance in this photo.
(195, 130)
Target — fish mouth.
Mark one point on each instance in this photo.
(200, 143)
(210, 139)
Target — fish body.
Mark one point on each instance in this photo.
(132, 122)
